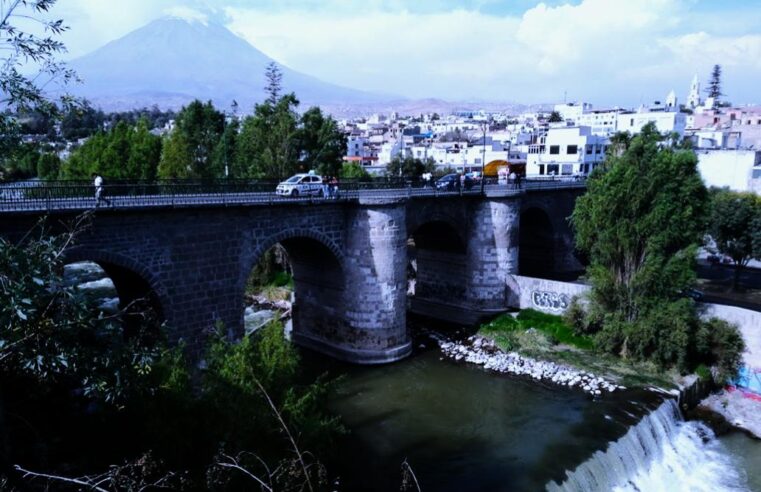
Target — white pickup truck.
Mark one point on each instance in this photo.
(301, 184)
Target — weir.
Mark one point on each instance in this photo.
(663, 452)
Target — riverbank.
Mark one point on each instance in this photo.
(483, 351)
(740, 410)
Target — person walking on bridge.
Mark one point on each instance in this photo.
(98, 183)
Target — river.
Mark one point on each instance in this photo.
(462, 428)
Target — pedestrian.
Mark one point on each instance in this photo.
(326, 191)
(334, 187)
(97, 181)
(511, 178)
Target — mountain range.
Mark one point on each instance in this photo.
(171, 61)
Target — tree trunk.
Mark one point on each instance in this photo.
(736, 277)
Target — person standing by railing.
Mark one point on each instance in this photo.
(98, 183)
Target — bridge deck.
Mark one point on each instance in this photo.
(37, 196)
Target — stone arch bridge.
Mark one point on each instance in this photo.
(350, 258)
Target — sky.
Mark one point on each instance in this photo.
(607, 52)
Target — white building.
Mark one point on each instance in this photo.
(566, 151)
(665, 121)
(739, 170)
(601, 122)
(693, 99)
(572, 111)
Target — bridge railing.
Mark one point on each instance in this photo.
(72, 195)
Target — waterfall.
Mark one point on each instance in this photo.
(661, 453)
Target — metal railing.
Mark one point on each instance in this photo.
(32, 196)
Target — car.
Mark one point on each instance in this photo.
(449, 182)
(300, 185)
(693, 294)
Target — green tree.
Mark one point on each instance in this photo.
(225, 153)
(322, 145)
(555, 117)
(48, 166)
(201, 127)
(268, 144)
(714, 84)
(175, 158)
(124, 152)
(352, 170)
(734, 221)
(410, 167)
(144, 152)
(641, 222)
(81, 122)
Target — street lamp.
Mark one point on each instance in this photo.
(484, 128)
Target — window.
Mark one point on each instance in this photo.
(541, 168)
(567, 169)
(478, 160)
(597, 149)
(631, 122)
(554, 149)
(552, 169)
(572, 149)
(589, 149)
(584, 168)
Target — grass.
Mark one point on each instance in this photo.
(548, 337)
(507, 329)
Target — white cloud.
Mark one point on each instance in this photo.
(607, 51)
(188, 14)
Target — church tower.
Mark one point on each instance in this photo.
(693, 100)
(671, 102)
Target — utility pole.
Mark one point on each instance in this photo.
(484, 128)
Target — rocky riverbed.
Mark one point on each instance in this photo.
(484, 352)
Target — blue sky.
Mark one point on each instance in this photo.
(608, 52)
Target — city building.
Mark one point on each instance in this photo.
(566, 151)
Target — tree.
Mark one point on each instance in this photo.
(641, 222)
(734, 223)
(29, 64)
(201, 126)
(267, 146)
(714, 85)
(321, 144)
(123, 152)
(555, 117)
(48, 166)
(224, 157)
(274, 83)
(175, 157)
(352, 170)
(410, 167)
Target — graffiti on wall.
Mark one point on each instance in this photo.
(552, 301)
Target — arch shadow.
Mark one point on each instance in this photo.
(536, 254)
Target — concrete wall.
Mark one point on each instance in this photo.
(549, 296)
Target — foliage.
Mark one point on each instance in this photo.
(48, 166)
(29, 62)
(198, 130)
(81, 122)
(50, 332)
(322, 145)
(410, 167)
(720, 344)
(714, 85)
(640, 223)
(555, 117)
(507, 329)
(735, 224)
(225, 153)
(352, 170)
(124, 152)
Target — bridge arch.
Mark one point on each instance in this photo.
(317, 266)
(536, 254)
(437, 273)
(141, 294)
